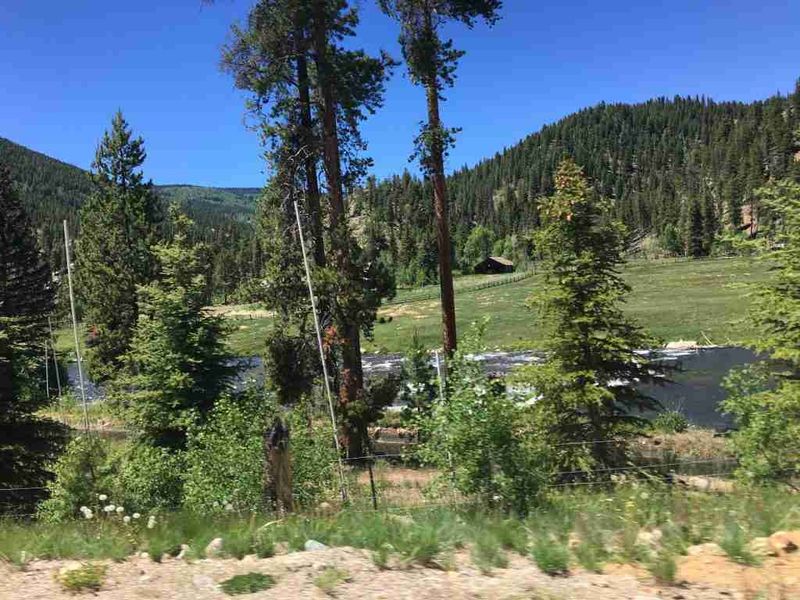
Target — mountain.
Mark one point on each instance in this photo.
(673, 167)
(53, 190)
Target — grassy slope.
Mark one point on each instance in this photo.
(673, 300)
(699, 300)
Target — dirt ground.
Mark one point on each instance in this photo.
(703, 578)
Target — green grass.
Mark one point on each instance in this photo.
(249, 583)
(330, 579)
(703, 300)
(84, 578)
(600, 519)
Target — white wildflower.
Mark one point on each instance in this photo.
(136, 515)
(229, 506)
(102, 497)
(83, 509)
(88, 514)
(110, 508)
(120, 510)
(151, 522)
(126, 519)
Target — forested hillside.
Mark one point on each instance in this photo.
(53, 190)
(677, 168)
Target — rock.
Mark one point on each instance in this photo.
(649, 539)
(144, 555)
(761, 547)
(72, 565)
(214, 548)
(325, 508)
(784, 542)
(312, 545)
(682, 345)
(708, 549)
(185, 550)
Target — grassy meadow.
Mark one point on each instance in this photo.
(702, 300)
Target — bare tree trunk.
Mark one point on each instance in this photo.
(436, 174)
(278, 468)
(352, 379)
(310, 157)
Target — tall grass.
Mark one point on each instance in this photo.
(588, 527)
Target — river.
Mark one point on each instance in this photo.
(695, 389)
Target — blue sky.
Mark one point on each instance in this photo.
(67, 66)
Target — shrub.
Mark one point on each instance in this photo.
(147, 478)
(250, 583)
(550, 555)
(81, 473)
(85, 577)
(487, 554)
(670, 421)
(663, 567)
(225, 457)
(480, 437)
(314, 458)
(734, 543)
(330, 578)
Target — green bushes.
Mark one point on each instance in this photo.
(225, 458)
(481, 440)
(670, 421)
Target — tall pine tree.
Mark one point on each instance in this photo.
(27, 443)
(177, 365)
(118, 226)
(432, 63)
(588, 386)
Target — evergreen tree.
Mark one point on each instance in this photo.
(588, 387)
(177, 365)
(27, 443)
(118, 226)
(432, 63)
(765, 398)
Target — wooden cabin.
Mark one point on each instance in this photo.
(494, 264)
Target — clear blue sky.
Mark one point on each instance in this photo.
(65, 67)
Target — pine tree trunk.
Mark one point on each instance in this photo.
(352, 379)
(439, 184)
(310, 156)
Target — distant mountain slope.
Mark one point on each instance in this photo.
(54, 190)
(671, 166)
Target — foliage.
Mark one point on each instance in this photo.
(418, 389)
(765, 398)
(81, 474)
(588, 387)
(249, 583)
(670, 421)
(477, 247)
(330, 578)
(357, 416)
(177, 364)
(551, 555)
(481, 439)
(663, 566)
(113, 255)
(83, 578)
(29, 442)
(314, 477)
(487, 555)
(225, 456)
(147, 477)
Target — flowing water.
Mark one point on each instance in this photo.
(695, 389)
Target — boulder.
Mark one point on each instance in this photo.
(784, 542)
(649, 539)
(312, 545)
(185, 550)
(214, 548)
